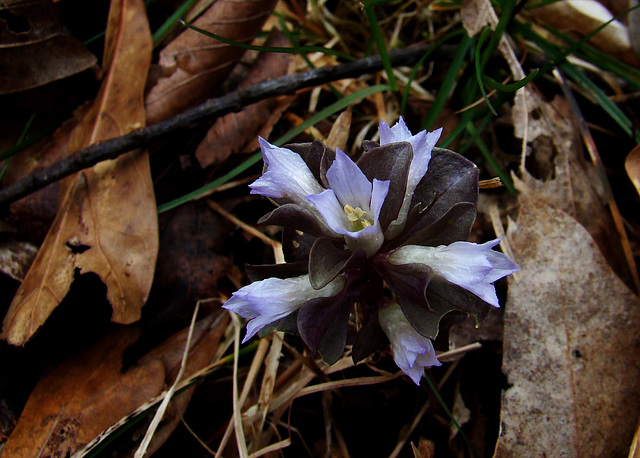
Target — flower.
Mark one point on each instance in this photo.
(412, 352)
(469, 265)
(351, 207)
(387, 232)
(266, 301)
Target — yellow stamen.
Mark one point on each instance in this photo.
(357, 217)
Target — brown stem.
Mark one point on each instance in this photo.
(212, 108)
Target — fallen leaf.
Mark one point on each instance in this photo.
(35, 48)
(77, 400)
(632, 166)
(16, 255)
(204, 343)
(477, 14)
(230, 133)
(571, 346)
(193, 65)
(583, 17)
(339, 134)
(558, 173)
(35, 213)
(106, 221)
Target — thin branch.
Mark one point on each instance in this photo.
(205, 113)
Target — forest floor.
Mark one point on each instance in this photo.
(129, 136)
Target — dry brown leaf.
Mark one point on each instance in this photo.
(632, 166)
(230, 133)
(193, 65)
(204, 344)
(16, 255)
(476, 14)
(77, 400)
(583, 17)
(339, 134)
(107, 220)
(35, 49)
(571, 347)
(35, 213)
(565, 180)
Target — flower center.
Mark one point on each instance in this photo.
(357, 218)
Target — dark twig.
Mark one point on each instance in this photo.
(235, 101)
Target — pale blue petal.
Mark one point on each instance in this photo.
(287, 175)
(266, 301)
(331, 210)
(378, 195)
(422, 145)
(412, 352)
(469, 265)
(349, 184)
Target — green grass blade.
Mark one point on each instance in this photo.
(444, 406)
(418, 66)
(511, 87)
(21, 138)
(382, 48)
(478, 67)
(298, 50)
(164, 30)
(450, 80)
(504, 177)
(334, 108)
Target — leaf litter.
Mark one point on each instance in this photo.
(569, 321)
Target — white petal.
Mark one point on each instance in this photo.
(349, 184)
(266, 301)
(412, 352)
(469, 265)
(287, 175)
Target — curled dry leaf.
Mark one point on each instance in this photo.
(230, 133)
(106, 221)
(583, 17)
(632, 166)
(78, 400)
(193, 65)
(571, 346)
(35, 48)
(564, 179)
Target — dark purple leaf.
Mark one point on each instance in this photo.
(450, 180)
(327, 261)
(389, 162)
(294, 216)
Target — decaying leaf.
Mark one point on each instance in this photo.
(76, 401)
(34, 214)
(571, 346)
(193, 65)
(230, 133)
(339, 134)
(34, 48)
(558, 174)
(106, 221)
(476, 14)
(80, 398)
(583, 17)
(15, 255)
(632, 166)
